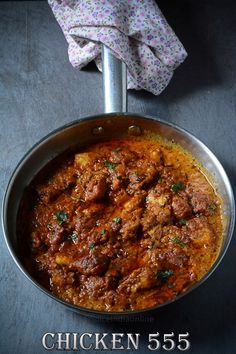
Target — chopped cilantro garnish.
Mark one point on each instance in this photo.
(61, 217)
(91, 247)
(164, 275)
(104, 231)
(119, 178)
(211, 206)
(110, 165)
(178, 186)
(178, 242)
(117, 220)
(182, 222)
(170, 286)
(73, 236)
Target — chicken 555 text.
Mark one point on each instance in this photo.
(114, 341)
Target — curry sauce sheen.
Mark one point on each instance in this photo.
(120, 225)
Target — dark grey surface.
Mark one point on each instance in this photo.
(39, 91)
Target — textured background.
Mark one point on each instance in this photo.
(39, 91)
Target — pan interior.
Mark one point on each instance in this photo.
(103, 127)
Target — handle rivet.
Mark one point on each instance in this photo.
(98, 130)
(134, 130)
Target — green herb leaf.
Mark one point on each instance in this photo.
(164, 275)
(182, 222)
(117, 220)
(178, 186)
(73, 236)
(119, 178)
(91, 247)
(110, 165)
(61, 217)
(170, 286)
(178, 242)
(104, 231)
(212, 206)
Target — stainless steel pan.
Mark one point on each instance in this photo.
(115, 122)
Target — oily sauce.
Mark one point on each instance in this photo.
(120, 225)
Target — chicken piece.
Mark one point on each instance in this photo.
(181, 207)
(200, 232)
(56, 234)
(158, 210)
(123, 155)
(62, 259)
(170, 249)
(141, 174)
(200, 192)
(83, 159)
(131, 224)
(93, 264)
(139, 279)
(85, 219)
(59, 182)
(175, 258)
(131, 217)
(96, 188)
(99, 286)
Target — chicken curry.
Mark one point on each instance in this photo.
(120, 225)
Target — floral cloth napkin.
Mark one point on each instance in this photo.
(135, 30)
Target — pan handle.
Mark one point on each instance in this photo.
(114, 82)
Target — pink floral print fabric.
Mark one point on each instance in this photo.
(135, 30)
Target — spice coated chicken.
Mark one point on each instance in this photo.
(120, 225)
